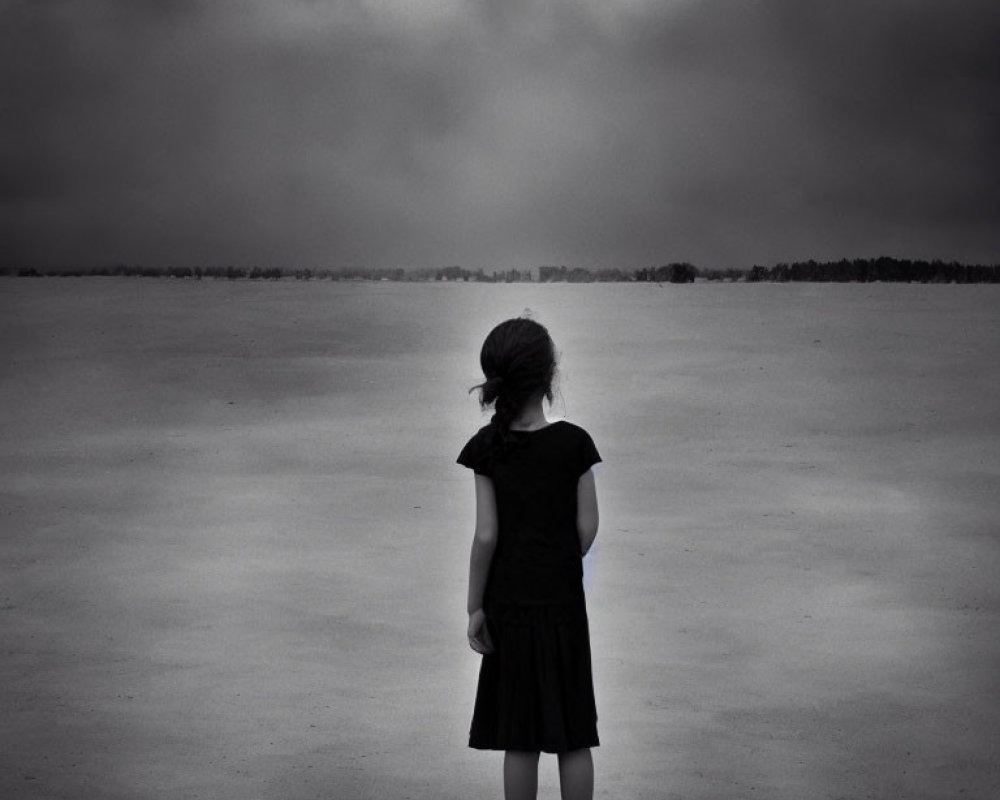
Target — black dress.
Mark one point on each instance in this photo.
(536, 690)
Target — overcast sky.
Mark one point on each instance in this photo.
(497, 133)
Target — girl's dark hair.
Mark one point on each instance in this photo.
(519, 362)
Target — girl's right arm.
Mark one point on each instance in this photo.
(483, 544)
(587, 518)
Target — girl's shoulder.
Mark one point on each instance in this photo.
(566, 429)
(567, 439)
(574, 442)
(476, 453)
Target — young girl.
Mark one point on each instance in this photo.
(536, 517)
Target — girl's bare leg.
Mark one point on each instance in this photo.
(520, 775)
(576, 775)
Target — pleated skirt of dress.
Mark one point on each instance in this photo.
(536, 689)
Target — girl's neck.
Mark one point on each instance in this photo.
(531, 418)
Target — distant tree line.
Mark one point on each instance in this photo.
(582, 275)
(130, 271)
(671, 273)
(863, 270)
(843, 271)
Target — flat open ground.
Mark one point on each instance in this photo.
(234, 539)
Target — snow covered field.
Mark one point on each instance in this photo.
(234, 539)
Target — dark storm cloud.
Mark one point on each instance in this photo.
(911, 95)
(497, 133)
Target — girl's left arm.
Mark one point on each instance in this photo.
(587, 516)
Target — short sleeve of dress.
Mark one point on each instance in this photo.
(587, 453)
(475, 455)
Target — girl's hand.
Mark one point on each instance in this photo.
(479, 635)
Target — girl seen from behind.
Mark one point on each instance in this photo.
(536, 518)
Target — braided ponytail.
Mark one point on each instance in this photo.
(518, 361)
